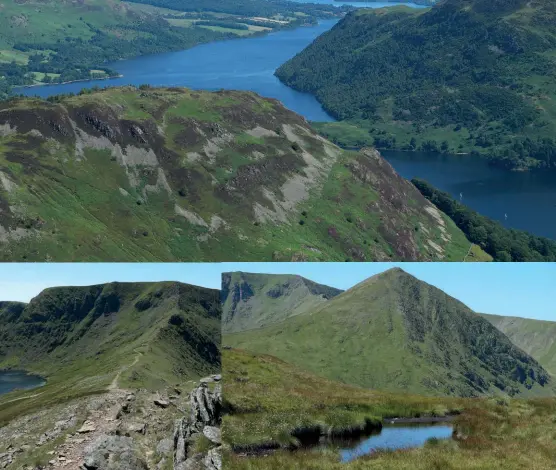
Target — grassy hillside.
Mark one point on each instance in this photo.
(82, 339)
(268, 399)
(58, 41)
(129, 174)
(256, 300)
(46, 41)
(537, 338)
(464, 76)
(394, 332)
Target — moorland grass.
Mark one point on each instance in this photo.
(267, 399)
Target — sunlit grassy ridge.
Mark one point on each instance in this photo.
(395, 332)
(252, 300)
(129, 174)
(82, 339)
(535, 337)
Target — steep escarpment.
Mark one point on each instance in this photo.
(397, 333)
(535, 337)
(173, 174)
(256, 300)
(463, 76)
(148, 333)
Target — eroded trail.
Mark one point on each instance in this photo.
(119, 429)
(114, 384)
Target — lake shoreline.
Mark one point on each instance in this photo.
(457, 154)
(81, 80)
(18, 380)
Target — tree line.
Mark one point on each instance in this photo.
(501, 243)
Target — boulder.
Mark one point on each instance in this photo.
(113, 453)
(165, 446)
(204, 418)
(213, 459)
(140, 428)
(162, 403)
(212, 433)
(87, 427)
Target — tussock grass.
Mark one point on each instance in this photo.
(267, 398)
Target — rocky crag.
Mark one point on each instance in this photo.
(121, 429)
(197, 437)
(129, 174)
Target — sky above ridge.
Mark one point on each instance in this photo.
(514, 289)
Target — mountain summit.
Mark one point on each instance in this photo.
(256, 300)
(156, 333)
(395, 332)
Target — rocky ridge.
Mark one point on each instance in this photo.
(179, 175)
(121, 429)
(202, 424)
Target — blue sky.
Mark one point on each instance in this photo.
(524, 290)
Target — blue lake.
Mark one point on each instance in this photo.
(14, 379)
(396, 437)
(238, 64)
(520, 200)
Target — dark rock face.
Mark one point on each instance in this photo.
(203, 421)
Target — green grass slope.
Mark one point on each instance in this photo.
(256, 300)
(128, 174)
(397, 333)
(536, 337)
(463, 76)
(268, 400)
(85, 340)
(53, 41)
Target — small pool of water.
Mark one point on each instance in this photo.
(394, 437)
(16, 379)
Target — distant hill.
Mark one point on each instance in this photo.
(171, 174)
(55, 41)
(536, 337)
(150, 333)
(463, 76)
(397, 333)
(256, 300)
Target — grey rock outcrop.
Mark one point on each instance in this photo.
(113, 453)
(203, 422)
